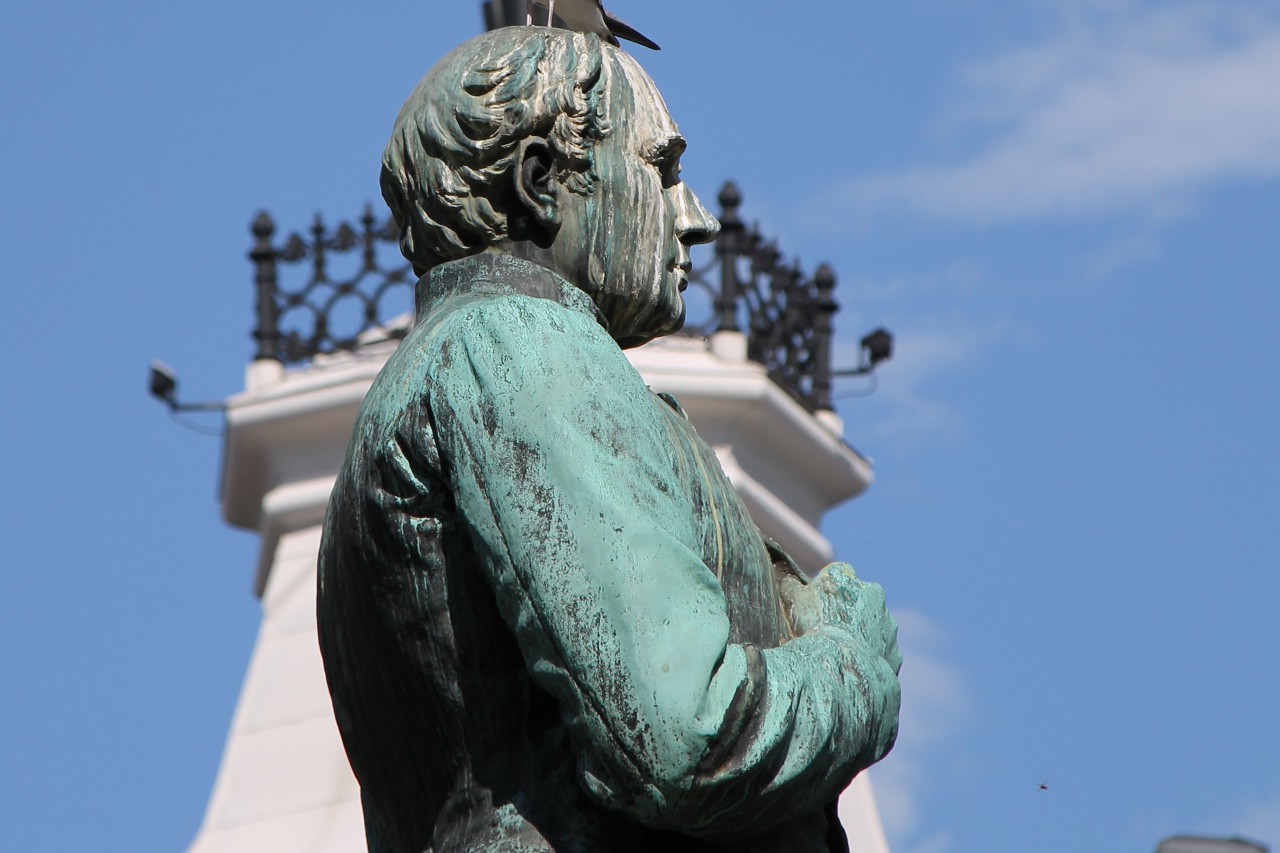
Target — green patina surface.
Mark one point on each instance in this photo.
(548, 622)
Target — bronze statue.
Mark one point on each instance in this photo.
(548, 622)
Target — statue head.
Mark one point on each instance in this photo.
(553, 146)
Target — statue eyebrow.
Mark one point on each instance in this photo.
(663, 148)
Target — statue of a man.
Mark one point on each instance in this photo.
(548, 622)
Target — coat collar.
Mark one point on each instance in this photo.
(499, 275)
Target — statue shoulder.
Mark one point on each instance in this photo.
(513, 327)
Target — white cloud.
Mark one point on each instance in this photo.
(1124, 251)
(935, 706)
(1124, 110)
(959, 278)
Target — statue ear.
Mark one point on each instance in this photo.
(535, 182)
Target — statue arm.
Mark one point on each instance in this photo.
(560, 463)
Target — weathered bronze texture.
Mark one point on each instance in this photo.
(548, 621)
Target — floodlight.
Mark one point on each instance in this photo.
(164, 384)
(877, 347)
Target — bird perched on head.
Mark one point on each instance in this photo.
(589, 16)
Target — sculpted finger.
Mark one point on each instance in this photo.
(893, 655)
(801, 605)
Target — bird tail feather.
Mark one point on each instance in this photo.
(624, 30)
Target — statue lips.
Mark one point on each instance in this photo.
(684, 268)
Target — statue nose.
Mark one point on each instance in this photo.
(694, 223)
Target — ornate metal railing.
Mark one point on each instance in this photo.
(353, 286)
(347, 295)
(785, 314)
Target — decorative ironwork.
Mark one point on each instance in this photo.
(329, 312)
(785, 314)
(746, 285)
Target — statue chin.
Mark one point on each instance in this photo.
(657, 327)
(633, 341)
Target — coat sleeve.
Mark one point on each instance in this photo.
(560, 463)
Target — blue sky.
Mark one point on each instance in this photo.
(1067, 212)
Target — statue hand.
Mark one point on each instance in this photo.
(837, 598)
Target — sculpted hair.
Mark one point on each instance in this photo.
(446, 173)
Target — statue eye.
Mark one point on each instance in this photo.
(664, 156)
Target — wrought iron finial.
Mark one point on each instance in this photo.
(730, 199)
(263, 226)
(368, 236)
(318, 261)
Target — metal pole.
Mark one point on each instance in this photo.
(263, 255)
(825, 282)
(728, 248)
